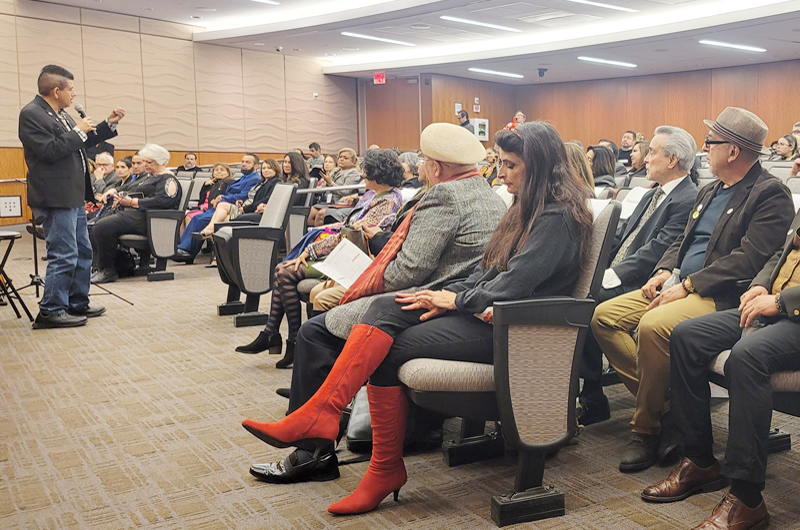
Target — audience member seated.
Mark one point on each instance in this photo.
(785, 149)
(383, 175)
(236, 191)
(347, 173)
(640, 242)
(763, 335)
(105, 178)
(216, 186)
(796, 129)
(537, 250)
(440, 242)
(489, 171)
(328, 167)
(158, 190)
(795, 168)
(189, 163)
(638, 167)
(518, 119)
(640, 137)
(602, 160)
(734, 228)
(619, 168)
(409, 161)
(256, 200)
(463, 120)
(580, 165)
(315, 160)
(626, 146)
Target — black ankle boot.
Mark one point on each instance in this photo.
(264, 341)
(288, 357)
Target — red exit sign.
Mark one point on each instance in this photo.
(379, 78)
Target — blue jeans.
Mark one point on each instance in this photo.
(69, 259)
(198, 222)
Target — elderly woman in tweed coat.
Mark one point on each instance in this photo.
(447, 234)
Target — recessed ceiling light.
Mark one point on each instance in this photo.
(734, 46)
(195, 16)
(605, 61)
(482, 24)
(147, 9)
(259, 44)
(493, 72)
(379, 39)
(297, 49)
(351, 49)
(419, 26)
(206, 9)
(606, 6)
(270, 2)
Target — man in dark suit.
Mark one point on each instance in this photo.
(769, 314)
(734, 228)
(58, 186)
(640, 242)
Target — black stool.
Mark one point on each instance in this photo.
(6, 286)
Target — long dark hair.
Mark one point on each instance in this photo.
(548, 179)
(299, 174)
(604, 162)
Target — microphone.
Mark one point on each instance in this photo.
(81, 111)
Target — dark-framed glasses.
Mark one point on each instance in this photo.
(708, 141)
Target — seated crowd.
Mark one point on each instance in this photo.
(692, 272)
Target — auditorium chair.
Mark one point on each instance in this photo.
(531, 387)
(247, 255)
(640, 182)
(161, 241)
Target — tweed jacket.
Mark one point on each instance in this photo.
(449, 231)
(749, 231)
(789, 297)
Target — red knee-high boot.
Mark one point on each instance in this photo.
(316, 423)
(388, 410)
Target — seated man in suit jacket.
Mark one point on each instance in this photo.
(640, 242)
(734, 228)
(770, 313)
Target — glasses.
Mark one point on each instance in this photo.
(708, 141)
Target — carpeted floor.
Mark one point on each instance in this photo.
(133, 421)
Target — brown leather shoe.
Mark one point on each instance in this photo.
(732, 514)
(686, 479)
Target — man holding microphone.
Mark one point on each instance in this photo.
(58, 186)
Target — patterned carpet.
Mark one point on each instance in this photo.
(133, 421)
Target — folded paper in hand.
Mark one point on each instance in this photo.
(345, 264)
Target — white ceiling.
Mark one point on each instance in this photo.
(662, 36)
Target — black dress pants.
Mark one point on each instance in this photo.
(449, 337)
(753, 359)
(106, 232)
(591, 367)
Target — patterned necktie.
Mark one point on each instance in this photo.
(651, 208)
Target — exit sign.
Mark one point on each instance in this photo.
(379, 78)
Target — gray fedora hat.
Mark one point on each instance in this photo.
(741, 127)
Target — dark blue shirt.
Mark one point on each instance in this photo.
(695, 256)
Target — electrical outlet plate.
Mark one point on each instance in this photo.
(11, 206)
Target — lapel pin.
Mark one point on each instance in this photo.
(730, 211)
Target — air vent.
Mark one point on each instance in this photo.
(514, 10)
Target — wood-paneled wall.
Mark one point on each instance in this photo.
(179, 94)
(590, 110)
(393, 114)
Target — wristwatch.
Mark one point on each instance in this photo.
(779, 303)
(687, 285)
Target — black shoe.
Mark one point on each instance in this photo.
(263, 342)
(3, 301)
(595, 409)
(90, 311)
(105, 276)
(181, 256)
(641, 452)
(289, 471)
(59, 319)
(284, 392)
(288, 357)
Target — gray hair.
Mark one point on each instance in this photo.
(679, 143)
(155, 152)
(410, 158)
(106, 156)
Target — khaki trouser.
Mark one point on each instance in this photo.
(644, 367)
(326, 295)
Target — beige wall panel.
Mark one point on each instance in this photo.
(113, 69)
(166, 29)
(45, 11)
(7, 7)
(264, 101)
(102, 19)
(220, 105)
(9, 83)
(169, 92)
(306, 115)
(33, 54)
(341, 114)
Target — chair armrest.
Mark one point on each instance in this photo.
(548, 311)
(232, 224)
(257, 232)
(165, 214)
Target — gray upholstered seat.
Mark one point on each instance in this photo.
(781, 381)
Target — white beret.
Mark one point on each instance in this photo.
(445, 142)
